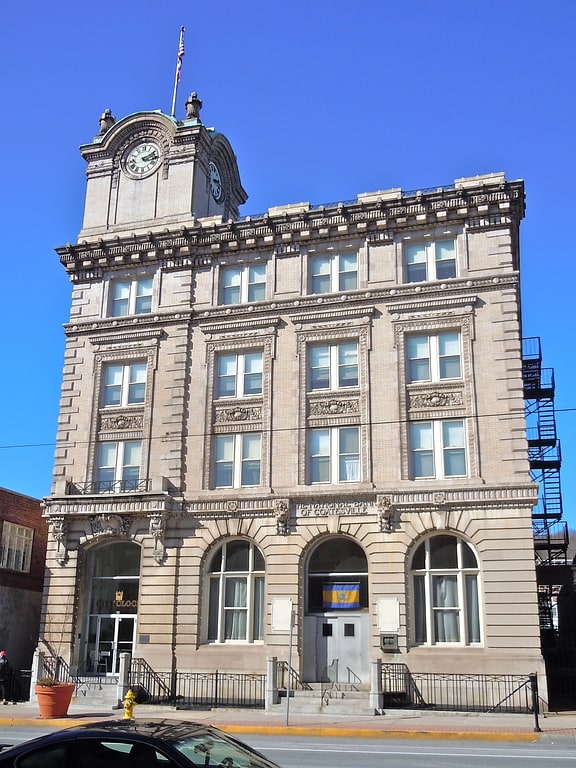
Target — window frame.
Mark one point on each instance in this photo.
(238, 462)
(217, 610)
(437, 448)
(120, 482)
(334, 367)
(240, 373)
(429, 614)
(132, 300)
(434, 356)
(246, 286)
(125, 385)
(431, 261)
(336, 275)
(334, 458)
(16, 547)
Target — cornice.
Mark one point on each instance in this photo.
(371, 218)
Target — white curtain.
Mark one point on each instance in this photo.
(445, 605)
(235, 609)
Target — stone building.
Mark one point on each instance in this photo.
(316, 412)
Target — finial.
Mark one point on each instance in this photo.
(107, 120)
(193, 107)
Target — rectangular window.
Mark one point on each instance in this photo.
(334, 455)
(333, 366)
(239, 375)
(118, 467)
(429, 261)
(131, 297)
(434, 357)
(437, 449)
(333, 273)
(16, 547)
(243, 284)
(124, 384)
(237, 460)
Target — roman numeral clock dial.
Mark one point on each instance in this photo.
(142, 159)
(216, 187)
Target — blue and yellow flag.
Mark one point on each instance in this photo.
(341, 596)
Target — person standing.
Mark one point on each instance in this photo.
(4, 676)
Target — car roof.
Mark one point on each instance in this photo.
(169, 730)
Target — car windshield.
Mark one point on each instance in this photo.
(211, 749)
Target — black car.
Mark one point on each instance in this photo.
(152, 743)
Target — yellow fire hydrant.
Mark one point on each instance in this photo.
(129, 703)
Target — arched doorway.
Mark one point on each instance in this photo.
(336, 621)
(113, 582)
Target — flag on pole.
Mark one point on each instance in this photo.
(341, 596)
(180, 55)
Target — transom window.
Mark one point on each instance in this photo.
(334, 272)
(237, 460)
(124, 384)
(16, 547)
(445, 584)
(333, 366)
(434, 357)
(236, 593)
(243, 284)
(429, 261)
(334, 455)
(131, 297)
(118, 467)
(337, 577)
(239, 375)
(438, 449)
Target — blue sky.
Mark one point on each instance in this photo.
(320, 101)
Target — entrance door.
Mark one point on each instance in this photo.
(112, 635)
(341, 649)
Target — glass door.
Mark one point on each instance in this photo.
(109, 637)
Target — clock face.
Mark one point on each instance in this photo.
(142, 159)
(215, 181)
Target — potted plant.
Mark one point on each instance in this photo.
(53, 697)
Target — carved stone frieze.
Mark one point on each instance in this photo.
(327, 508)
(121, 421)
(109, 525)
(237, 413)
(334, 407)
(434, 399)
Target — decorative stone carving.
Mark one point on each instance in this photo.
(435, 399)
(109, 525)
(333, 407)
(121, 421)
(226, 415)
(282, 512)
(388, 516)
(106, 121)
(60, 532)
(157, 529)
(193, 106)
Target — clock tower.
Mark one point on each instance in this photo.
(148, 172)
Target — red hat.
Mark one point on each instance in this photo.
(2, 653)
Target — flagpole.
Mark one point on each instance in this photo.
(178, 68)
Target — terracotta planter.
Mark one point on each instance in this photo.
(54, 700)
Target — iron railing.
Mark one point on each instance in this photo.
(405, 689)
(110, 486)
(188, 690)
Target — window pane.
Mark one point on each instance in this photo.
(348, 365)
(250, 460)
(258, 619)
(445, 260)
(320, 271)
(143, 302)
(257, 282)
(137, 385)
(449, 354)
(422, 450)
(472, 609)
(419, 358)
(468, 556)
(237, 555)
(420, 630)
(349, 469)
(454, 453)
(213, 609)
(120, 298)
(231, 285)
(319, 367)
(226, 386)
(443, 552)
(348, 278)
(224, 457)
(253, 373)
(112, 385)
(415, 259)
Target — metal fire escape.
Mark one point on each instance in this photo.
(544, 454)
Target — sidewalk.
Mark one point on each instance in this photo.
(394, 724)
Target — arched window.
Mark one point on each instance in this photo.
(445, 591)
(236, 593)
(337, 577)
